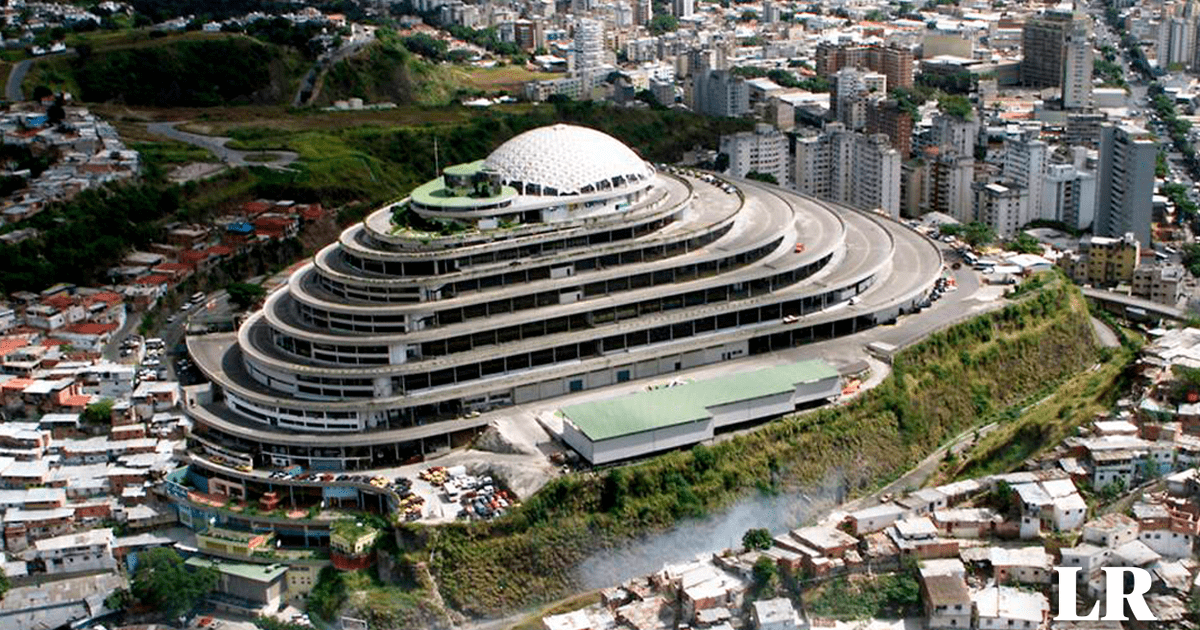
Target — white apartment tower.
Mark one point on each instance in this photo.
(1125, 187)
(643, 12)
(1069, 195)
(589, 46)
(955, 135)
(852, 89)
(764, 150)
(949, 189)
(1025, 166)
(1001, 206)
(1077, 64)
(683, 8)
(856, 169)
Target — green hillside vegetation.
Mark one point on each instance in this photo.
(962, 377)
(375, 163)
(176, 72)
(385, 71)
(353, 168)
(1045, 424)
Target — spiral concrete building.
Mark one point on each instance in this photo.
(562, 262)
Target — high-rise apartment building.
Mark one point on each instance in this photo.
(1057, 52)
(1001, 205)
(1125, 191)
(720, 93)
(949, 185)
(851, 93)
(589, 46)
(683, 8)
(764, 150)
(643, 12)
(886, 117)
(952, 134)
(1025, 167)
(1069, 195)
(893, 62)
(852, 168)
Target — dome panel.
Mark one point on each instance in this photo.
(565, 159)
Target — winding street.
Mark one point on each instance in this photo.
(216, 144)
(16, 76)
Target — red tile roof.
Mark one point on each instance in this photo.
(107, 296)
(91, 328)
(256, 207)
(154, 278)
(76, 400)
(60, 301)
(174, 267)
(9, 344)
(192, 256)
(16, 384)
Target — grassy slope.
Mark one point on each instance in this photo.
(372, 162)
(385, 71)
(948, 383)
(129, 67)
(1045, 424)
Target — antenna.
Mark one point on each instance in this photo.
(436, 164)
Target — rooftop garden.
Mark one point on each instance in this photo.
(351, 529)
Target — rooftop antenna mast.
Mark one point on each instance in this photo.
(436, 164)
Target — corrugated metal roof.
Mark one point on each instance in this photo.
(646, 411)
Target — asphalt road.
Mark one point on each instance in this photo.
(216, 144)
(310, 84)
(12, 90)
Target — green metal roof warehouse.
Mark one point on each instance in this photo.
(633, 425)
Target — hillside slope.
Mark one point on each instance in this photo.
(176, 72)
(385, 71)
(956, 379)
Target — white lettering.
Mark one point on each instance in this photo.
(1115, 595)
(1067, 597)
(1115, 583)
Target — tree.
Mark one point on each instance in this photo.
(119, 599)
(4, 583)
(766, 574)
(976, 234)
(243, 294)
(663, 23)
(1024, 244)
(722, 163)
(40, 92)
(425, 45)
(757, 538)
(99, 412)
(1112, 489)
(816, 84)
(956, 105)
(762, 177)
(1191, 258)
(327, 594)
(163, 581)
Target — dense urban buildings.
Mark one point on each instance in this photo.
(845, 182)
